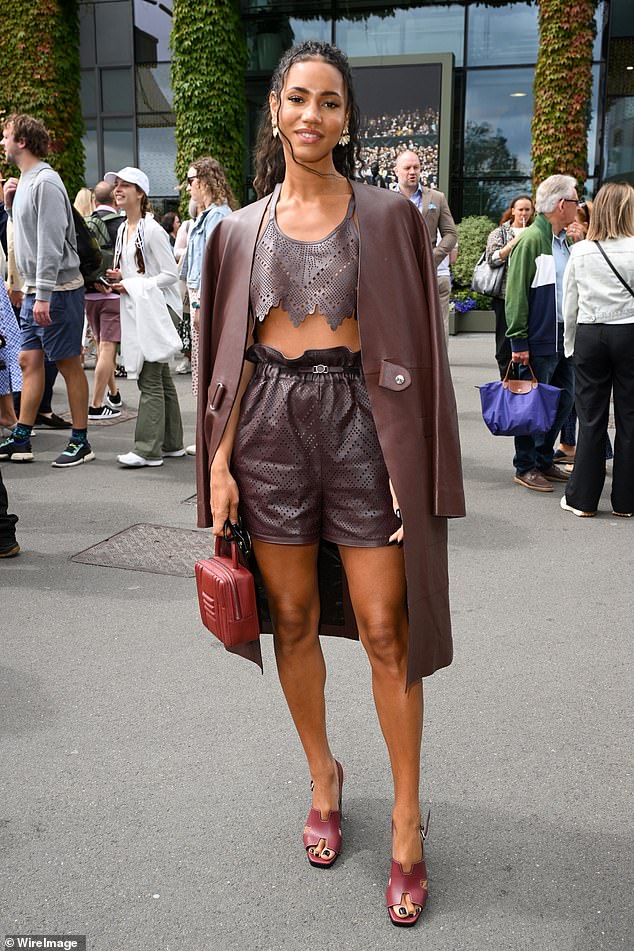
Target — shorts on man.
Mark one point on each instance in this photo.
(104, 319)
(63, 337)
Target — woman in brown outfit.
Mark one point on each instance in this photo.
(338, 431)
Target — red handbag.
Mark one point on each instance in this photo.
(226, 596)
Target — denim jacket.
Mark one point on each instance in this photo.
(198, 237)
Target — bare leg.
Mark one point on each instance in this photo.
(7, 412)
(32, 364)
(77, 387)
(104, 371)
(376, 580)
(290, 576)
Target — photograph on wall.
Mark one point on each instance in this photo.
(400, 109)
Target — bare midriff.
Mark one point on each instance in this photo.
(313, 333)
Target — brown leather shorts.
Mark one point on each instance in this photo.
(306, 455)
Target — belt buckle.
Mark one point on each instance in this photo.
(320, 368)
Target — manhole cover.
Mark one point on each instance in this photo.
(126, 414)
(155, 548)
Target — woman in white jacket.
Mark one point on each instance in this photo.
(144, 273)
(598, 309)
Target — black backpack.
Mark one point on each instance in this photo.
(104, 226)
(90, 257)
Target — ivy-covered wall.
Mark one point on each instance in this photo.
(208, 81)
(563, 88)
(39, 57)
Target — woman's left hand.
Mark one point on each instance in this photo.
(397, 536)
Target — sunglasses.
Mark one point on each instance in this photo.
(191, 178)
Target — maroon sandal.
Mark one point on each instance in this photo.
(329, 829)
(414, 883)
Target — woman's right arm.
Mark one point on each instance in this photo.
(570, 307)
(224, 489)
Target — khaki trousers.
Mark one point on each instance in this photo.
(444, 290)
(159, 427)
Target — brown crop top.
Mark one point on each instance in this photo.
(300, 276)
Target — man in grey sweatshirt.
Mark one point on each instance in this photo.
(52, 314)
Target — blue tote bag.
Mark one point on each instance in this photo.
(519, 407)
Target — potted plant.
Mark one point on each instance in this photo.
(470, 312)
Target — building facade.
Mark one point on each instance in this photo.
(127, 100)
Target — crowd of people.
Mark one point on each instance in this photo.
(383, 138)
(102, 267)
(565, 311)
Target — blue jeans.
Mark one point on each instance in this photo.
(536, 452)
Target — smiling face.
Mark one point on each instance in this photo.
(127, 196)
(312, 112)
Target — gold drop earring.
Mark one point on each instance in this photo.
(344, 138)
(276, 131)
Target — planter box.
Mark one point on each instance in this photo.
(472, 321)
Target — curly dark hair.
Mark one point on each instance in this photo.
(214, 179)
(269, 152)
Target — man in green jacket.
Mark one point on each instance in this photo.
(534, 319)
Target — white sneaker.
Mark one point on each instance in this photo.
(568, 508)
(174, 454)
(190, 450)
(133, 461)
(183, 367)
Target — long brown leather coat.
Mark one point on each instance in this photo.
(409, 383)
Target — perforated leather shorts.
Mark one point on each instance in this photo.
(306, 455)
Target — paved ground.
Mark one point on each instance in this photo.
(153, 794)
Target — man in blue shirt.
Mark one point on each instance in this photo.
(434, 208)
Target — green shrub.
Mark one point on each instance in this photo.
(39, 53)
(208, 66)
(472, 238)
(563, 89)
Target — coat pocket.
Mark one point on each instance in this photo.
(393, 376)
(217, 392)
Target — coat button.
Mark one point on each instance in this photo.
(400, 379)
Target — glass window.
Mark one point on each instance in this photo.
(88, 92)
(268, 37)
(114, 31)
(157, 154)
(152, 30)
(416, 30)
(87, 34)
(117, 92)
(154, 89)
(592, 129)
(619, 139)
(601, 20)
(499, 35)
(492, 198)
(118, 144)
(91, 167)
(499, 109)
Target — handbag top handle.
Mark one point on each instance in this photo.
(614, 270)
(519, 386)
